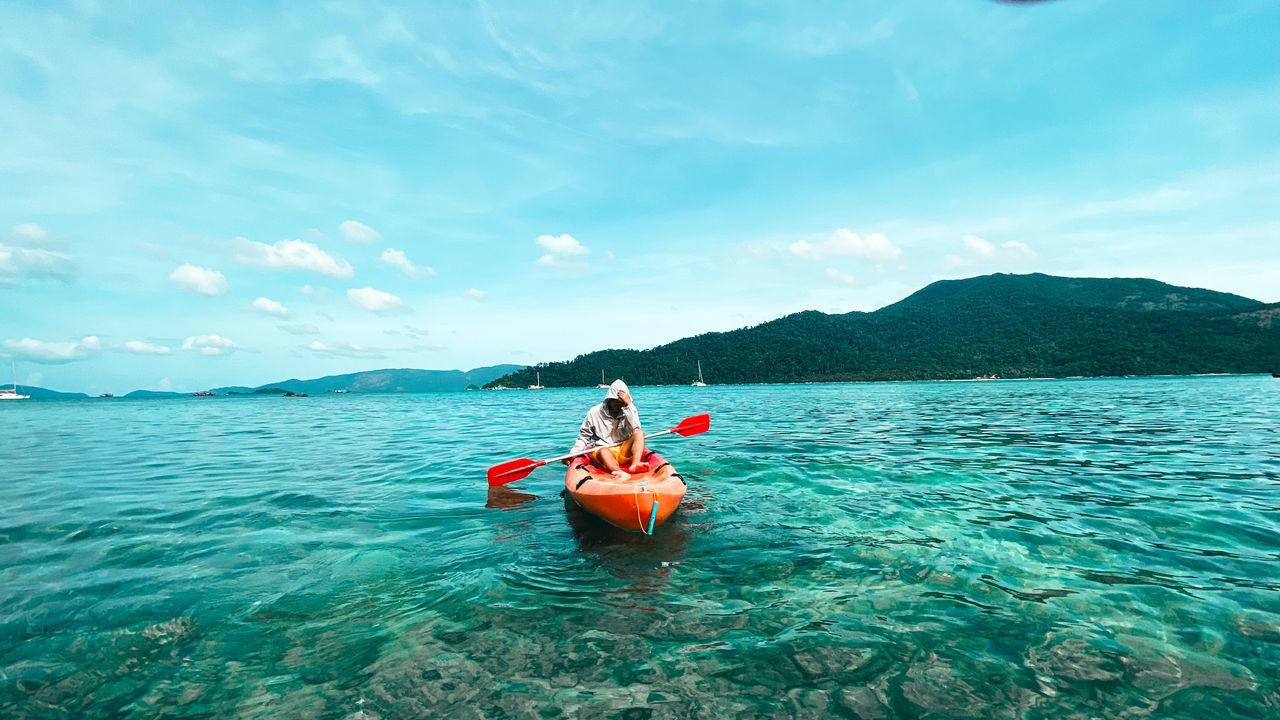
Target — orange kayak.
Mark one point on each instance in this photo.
(628, 503)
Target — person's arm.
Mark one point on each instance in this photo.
(586, 435)
(632, 416)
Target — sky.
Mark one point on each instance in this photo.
(208, 194)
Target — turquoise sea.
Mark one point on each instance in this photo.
(1012, 549)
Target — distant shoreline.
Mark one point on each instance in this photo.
(937, 380)
(183, 396)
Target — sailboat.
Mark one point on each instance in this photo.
(6, 393)
(602, 382)
(537, 385)
(699, 382)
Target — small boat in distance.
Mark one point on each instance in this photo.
(699, 382)
(537, 385)
(12, 394)
(106, 395)
(204, 393)
(602, 384)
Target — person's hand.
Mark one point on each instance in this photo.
(625, 397)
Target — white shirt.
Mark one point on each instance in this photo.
(601, 428)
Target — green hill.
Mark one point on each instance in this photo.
(386, 381)
(1005, 325)
(1137, 294)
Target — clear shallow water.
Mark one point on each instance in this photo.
(1039, 549)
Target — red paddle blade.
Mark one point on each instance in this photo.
(693, 425)
(512, 470)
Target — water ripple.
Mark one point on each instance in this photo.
(1102, 548)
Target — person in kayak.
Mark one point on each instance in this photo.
(614, 420)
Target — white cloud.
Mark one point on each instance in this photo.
(18, 262)
(345, 349)
(316, 294)
(268, 306)
(290, 255)
(376, 300)
(424, 347)
(198, 280)
(398, 260)
(21, 256)
(163, 385)
(846, 243)
(359, 233)
(550, 260)
(1164, 200)
(976, 246)
(477, 294)
(209, 345)
(843, 278)
(30, 233)
(564, 244)
(144, 348)
(977, 250)
(559, 249)
(53, 352)
(296, 329)
(1013, 247)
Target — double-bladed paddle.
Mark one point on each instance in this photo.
(513, 470)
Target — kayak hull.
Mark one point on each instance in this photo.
(637, 503)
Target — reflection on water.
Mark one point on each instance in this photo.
(505, 497)
(1060, 549)
(643, 561)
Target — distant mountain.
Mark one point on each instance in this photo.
(402, 380)
(39, 393)
(1136, 294)
(1005, 325)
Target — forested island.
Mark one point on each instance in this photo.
(1008, 326)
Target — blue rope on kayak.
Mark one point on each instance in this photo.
(653, 514)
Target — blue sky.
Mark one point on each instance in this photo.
(235, 193)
